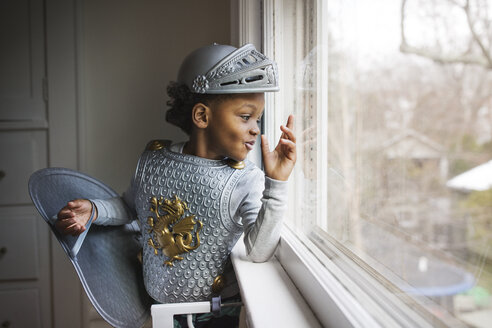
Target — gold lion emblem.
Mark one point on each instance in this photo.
(172, 233)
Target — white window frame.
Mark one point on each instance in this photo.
(323, 286)
(328, 300)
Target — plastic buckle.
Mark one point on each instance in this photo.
(216, 306)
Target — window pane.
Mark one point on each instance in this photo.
(393, 106)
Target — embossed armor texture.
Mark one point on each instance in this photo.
(206, 187)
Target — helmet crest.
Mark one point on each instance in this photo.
(221, 69)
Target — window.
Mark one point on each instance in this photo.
(393, 184)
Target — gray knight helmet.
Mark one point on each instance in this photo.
(221, 69)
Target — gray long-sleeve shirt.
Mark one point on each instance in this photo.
(258, 202)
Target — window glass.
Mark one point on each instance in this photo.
(393, 108)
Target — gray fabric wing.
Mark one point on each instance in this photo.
(107, 263)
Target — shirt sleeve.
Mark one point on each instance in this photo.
(116, 210)
(261, 211)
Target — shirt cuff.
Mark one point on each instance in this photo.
(276, 188)
(102, 212)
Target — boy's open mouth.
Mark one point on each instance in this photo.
(250, 144)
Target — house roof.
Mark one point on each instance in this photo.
(477, 179)
(413, 134)
(412, 144)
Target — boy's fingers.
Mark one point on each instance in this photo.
(64, 215)
(289, 149)
(290, 121)
(288, 133)
(71, 204)
(289, 144)
(64, 227)
(288, 127)
(76, 204)
(71, 231)
(73, 226)
(66, 223)
(265, 147)
(63, 222)
(79, 230)
(66, 208)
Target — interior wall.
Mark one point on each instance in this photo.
(128, 52)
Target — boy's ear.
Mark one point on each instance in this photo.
(200, 115)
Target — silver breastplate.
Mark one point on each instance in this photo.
(182, 202)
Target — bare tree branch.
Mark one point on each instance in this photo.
(439, 58)
(475, 35)
(464, 58)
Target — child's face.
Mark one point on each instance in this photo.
(234, 126)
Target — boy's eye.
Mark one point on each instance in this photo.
(245, 117)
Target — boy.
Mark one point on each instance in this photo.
(193, 200)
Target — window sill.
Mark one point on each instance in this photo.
(270, 298)
(293, 289)
(329, 299)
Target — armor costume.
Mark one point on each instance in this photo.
(191, 210)
(205, 186)
(221, 69)
(225, 200)
(184, 256)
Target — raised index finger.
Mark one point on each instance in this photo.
(290, 121)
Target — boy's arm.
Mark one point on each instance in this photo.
(72, 218)
(262, 213)
(262, 235)
(117, 210)
(112, 211)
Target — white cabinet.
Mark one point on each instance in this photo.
(23, 152)
(24, 267)
(19, 257)
(22, 60)
(20, 308)
(25, 299)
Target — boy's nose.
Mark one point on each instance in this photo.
(255, 130)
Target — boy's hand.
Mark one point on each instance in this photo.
(280, 162)
(74, 216)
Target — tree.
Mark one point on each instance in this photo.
(458, 36)
(478, 40)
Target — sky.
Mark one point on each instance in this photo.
(370, 30)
